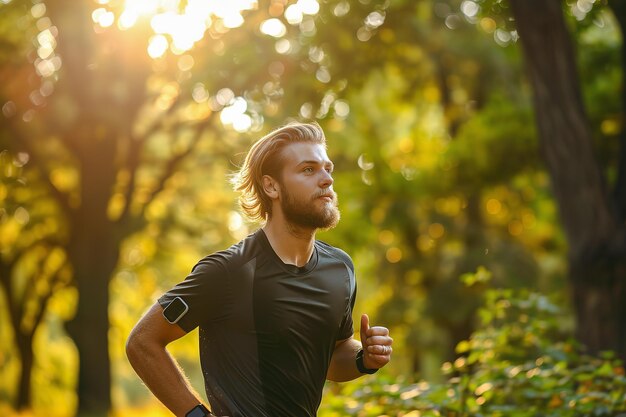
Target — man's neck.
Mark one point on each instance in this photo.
(293, 245)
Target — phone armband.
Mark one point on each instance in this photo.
(175, 310)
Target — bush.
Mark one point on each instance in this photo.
(519, 363)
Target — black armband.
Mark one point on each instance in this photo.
(199, 411)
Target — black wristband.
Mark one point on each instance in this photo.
(361, 366)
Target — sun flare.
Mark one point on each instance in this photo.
(176, 28)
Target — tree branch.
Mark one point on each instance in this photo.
(132, 165)
(45, 298)
(61, 197)
(134, 155)
(173, 164)
(5, 281)
(30, 290)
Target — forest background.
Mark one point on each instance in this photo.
(480, 165)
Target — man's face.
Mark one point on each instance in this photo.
(307, 197)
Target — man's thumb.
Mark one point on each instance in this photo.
(365, 325)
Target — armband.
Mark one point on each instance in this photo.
(199, 411)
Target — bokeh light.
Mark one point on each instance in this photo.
(273, 27)
(180, 29)
(157, 46)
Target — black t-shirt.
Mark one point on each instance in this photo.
(267, 329)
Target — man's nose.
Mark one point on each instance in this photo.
(327, 179)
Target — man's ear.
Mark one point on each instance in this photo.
(271, 187)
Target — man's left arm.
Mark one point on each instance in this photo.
(376, 345)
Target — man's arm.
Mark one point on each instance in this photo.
(343, 363)
(147, 354)
(376, 345)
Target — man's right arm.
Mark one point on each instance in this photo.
(147, 353)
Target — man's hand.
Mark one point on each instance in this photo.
(376, 344)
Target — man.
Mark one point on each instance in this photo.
(274, 310)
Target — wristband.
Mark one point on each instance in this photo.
(361, 366)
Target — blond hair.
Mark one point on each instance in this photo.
(265, 158)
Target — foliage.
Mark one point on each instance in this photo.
(430, 128)
(442, 207)
(33, 269)
(519, 363)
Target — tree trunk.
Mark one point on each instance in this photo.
(23, 400)
(23, 340)
(89, 330)
(619, 11)
(90, 77)
(25, 348)
(94, 262)
(597, 256)
(93, 253)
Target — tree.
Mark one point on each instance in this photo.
(592, 215)
(427, 94)
(32, 263)
(87, 131)
(107, 126)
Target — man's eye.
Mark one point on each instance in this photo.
(308, 169)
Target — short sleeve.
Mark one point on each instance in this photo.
(202, 290)
(347, 326)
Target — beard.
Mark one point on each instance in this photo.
(308, 214)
